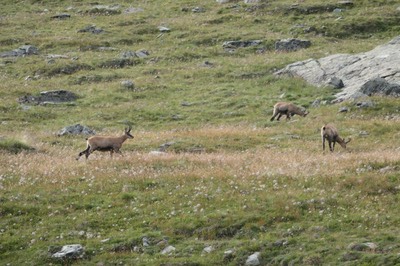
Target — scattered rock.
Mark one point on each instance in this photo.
(168, 250)
(162, 243)
(252, 1)
(346, 3)
(335, 82)
(76, 130)
(131, 10)
(280, 243)
(164, 29)
(46, 97)
(74, 251)
(253, 259)
(157, 153)
(142, 53)
(61, 16)
(117, 63)
(146, 242)
(291, 45)
(387, 169)
(350, 256)
(238, 44)
(128, 54)
(56, 56)
(224, 1)
(24, 50)
(367, 246)
(198, 9)
(229, 255)
(208, 249)
(343, 109)
(165, 146)
(128, 84)
(207, 64)
(364, 104)
(104, 10)
(92, 29)
(131, 54)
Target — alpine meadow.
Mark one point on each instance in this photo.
(205, 178)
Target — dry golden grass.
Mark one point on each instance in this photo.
(298, 159)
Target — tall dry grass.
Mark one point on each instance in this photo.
(297, 158)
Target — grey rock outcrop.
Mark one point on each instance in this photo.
(354, 70)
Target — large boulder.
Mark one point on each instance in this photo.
(354, 70)
(380, 86)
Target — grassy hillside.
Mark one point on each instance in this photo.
(230, 179)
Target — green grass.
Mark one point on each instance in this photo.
(230, 179)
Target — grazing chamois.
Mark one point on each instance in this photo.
(105, 143)
(288, 109)
(330, 133)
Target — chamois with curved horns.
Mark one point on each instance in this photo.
(106, 143)
(330, 133)
(288, 109)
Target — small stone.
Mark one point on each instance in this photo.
(208, 249)
(164, 29)
(69, 251)
(253, 259)
(168, 250)
(128, 84)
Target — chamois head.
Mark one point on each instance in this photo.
(128, 132)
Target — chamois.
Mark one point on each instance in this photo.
(330, 133)
(105, 143)
(288, 109)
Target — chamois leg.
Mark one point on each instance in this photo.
(273, 116)
(323, 144)
(279, 116)
(84, 152)
(331, 145)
